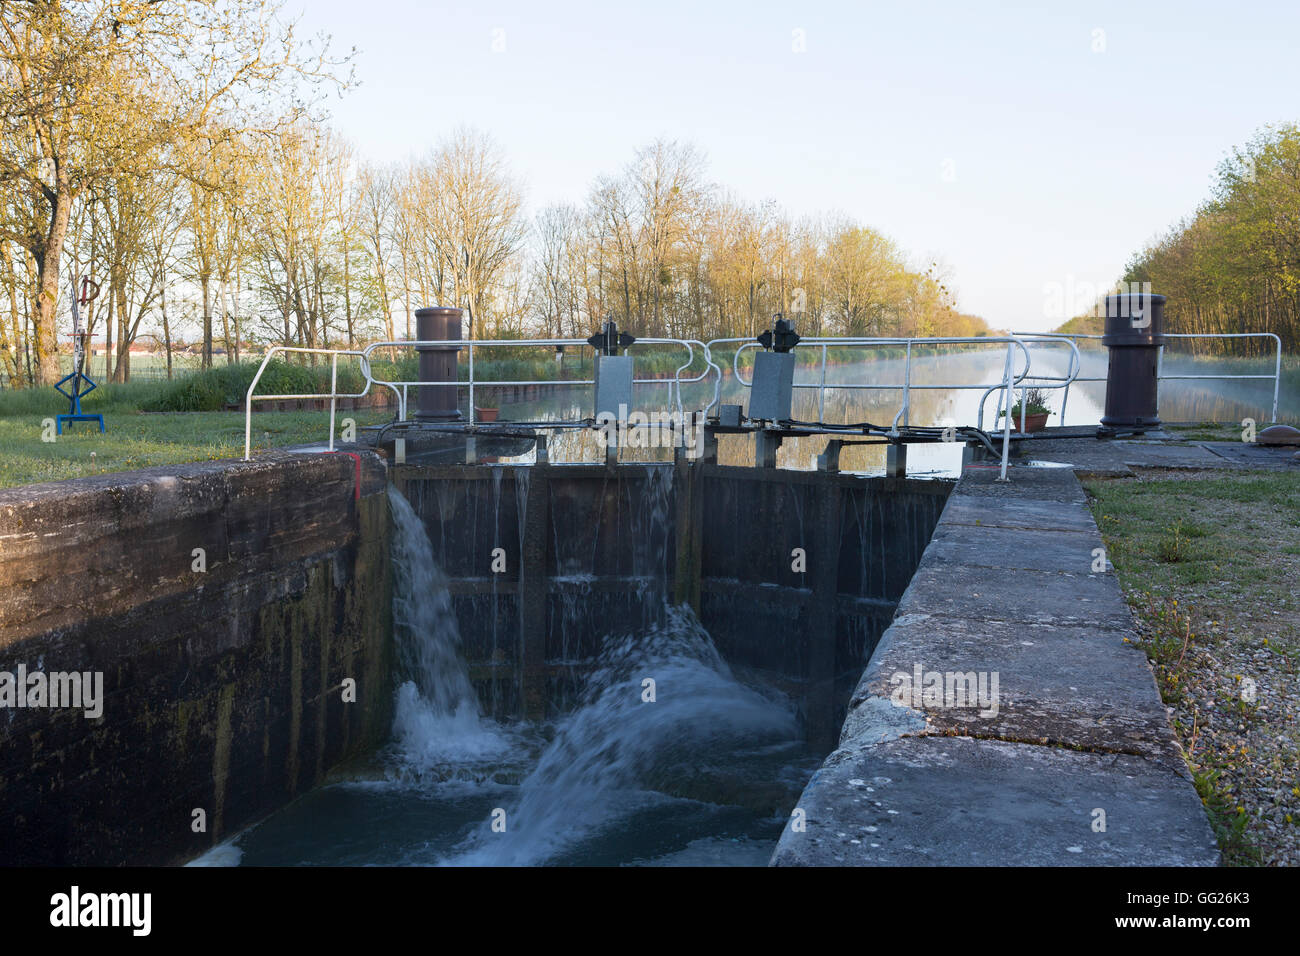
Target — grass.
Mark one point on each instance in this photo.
(138, 439)
(1209, 565)
(1186, 532)
(1206, 431)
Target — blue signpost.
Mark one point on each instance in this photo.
(81, 383)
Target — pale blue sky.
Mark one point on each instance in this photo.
(1063, 161)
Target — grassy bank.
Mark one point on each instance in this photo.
(138, 437)
(1209, 565)
(139, 440)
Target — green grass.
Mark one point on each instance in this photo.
(1229, 820)
(1175, 533)
(137, 439)
(140, 440)
(1206, 431)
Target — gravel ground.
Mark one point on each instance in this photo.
(1233, 687)
(1238, 715)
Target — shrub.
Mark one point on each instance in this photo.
(212, 389)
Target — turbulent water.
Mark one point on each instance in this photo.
(660, 715)
(438, 725)
(668, 759)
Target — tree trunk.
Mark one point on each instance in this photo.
(347, 297)
(167, 329)
(206, 282)
(45, 332)
(225, 320)
(119, 305)
(235, 300)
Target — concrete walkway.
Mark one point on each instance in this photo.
(1062, 753)
(1118, 457)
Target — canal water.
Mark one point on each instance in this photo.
(668, 759)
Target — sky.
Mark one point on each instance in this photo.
(1031, 148)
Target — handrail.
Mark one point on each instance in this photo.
(470, 345)
(1276, 377)
(333, 396)
(400, 388)
(1010, 379)
(1014, 341)
(1064, 382)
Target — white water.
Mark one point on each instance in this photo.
(608, 758)
(437, 722)
(705, 774)
(619, 747)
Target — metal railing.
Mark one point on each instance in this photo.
(1009, 379)
(1275, 378)
(401, 388)
(1013, 376)
(334, 394)
(1013, 342)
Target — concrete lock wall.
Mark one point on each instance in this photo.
(588, 551)
(223, 688)
(1007, 716)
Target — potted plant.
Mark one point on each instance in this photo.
(485, 414)
(1036, 410)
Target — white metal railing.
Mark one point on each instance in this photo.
(401, 388)
(1028, 381)
(1009, 379)
(1014, 342)
(1275, 378)
(333, 395)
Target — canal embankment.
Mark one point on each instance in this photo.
(1006, 716)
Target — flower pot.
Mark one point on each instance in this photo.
(1034, 421)
(485, 414)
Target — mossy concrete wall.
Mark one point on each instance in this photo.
(224, 688)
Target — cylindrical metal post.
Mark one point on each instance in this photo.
(437, 363)
(1134, 336)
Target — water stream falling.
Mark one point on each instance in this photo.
(437, 720)
(661, 715)
(667, 759)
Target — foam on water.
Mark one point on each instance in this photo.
(223, 854)
(619, 746)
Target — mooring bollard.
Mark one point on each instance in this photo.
(1134, 335)
(438, 363)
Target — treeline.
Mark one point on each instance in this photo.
(200, 185)
(1234, 266)
(129, 133)
(670, 254)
